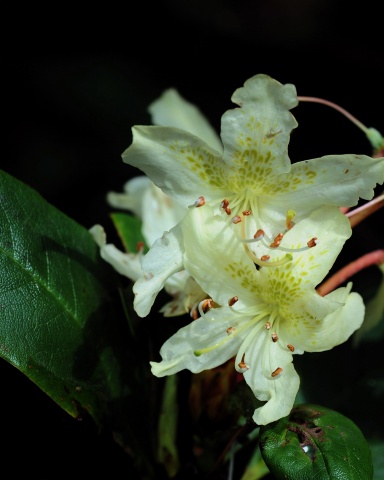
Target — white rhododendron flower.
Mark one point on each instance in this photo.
(262, 315)
(249, 174)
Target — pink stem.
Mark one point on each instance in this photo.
(336, 107)
(373, 258)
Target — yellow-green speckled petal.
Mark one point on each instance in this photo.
(179, 163)
(256, 135)
(338, 180)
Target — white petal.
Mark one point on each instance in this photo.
(132, 198)
(98, 234)
(337, 327)
(127, 264)
(163, 259)
(160, 213)
(264, 357)
(172, 110)
(209, 332)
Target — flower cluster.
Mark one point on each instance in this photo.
(255, 237)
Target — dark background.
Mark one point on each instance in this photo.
(75, 83)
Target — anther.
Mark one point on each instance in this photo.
(242, 365)
(312, 242)
(274, 337)
(268, 325)
(206, 304)
(265, 258)
(276, 372)
(259, 234)
(227, 210)
(291, 347)
(230, 330)
(236, 219)
(246, 213)
(276, 241)
(194, 313)
(232, 301)
(224, 204)
(199, 202)
(139, 246)
(288, 220)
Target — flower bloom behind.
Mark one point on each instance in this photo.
(264, 315)
(156, 210)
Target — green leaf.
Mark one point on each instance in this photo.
(256, 468)
(167, 429)
(55, 300)
(316, 442)
(128, 228)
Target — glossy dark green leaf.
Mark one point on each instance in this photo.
(314, 442)
(55, 303)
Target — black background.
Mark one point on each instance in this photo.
(75, 82)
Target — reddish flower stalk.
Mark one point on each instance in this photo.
(373, 258)
(375, 138)
(359, 214)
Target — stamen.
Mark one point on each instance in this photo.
(262, 262)
(232, 301)
(243, 367)
(205, 305)
(291, 347)
(227, 210)
(288, 220)
(268, 325)
(276, 372)
(236, 219)
(246, 213)
(274, 337)
(260, 235)
(140, 246)
(194, 314)
(199, 202)
(312, 242)
(234, 332)
(265, 258)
